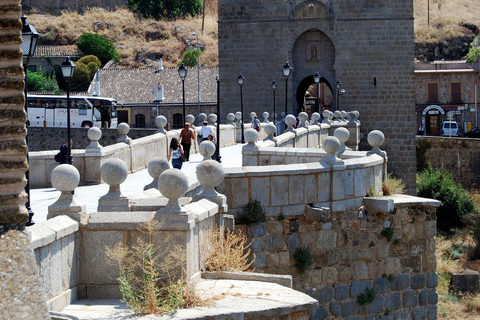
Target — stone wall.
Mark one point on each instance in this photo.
(350, 253)
(21, 295)
(378, 78)
(461, 156)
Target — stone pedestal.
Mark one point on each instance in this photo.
(465, 281)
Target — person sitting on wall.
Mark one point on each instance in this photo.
(206, 133)
(64, 152)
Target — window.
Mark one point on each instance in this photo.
(456, 92)
(432, 92)
(177, 121)
(139, 121)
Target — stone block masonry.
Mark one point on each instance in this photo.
(353, 252)
(368, 46)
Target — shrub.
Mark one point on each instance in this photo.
(81, 78)
(147, 281)
(170, 9)
(252, 213)
(303, 258)
(456, 204)
(189, 58)
(101, 47)
(41, 81)
(473, 228)
(225, 251)
(472, 52)
(387, 233)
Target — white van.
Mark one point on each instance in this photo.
(449, 128)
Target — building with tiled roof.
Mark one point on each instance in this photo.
(135, 89)
(49, 58)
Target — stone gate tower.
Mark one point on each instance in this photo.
(366, 44)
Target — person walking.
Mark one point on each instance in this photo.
(206, 133)
(255, 123)
(186, 138)
(175, 153)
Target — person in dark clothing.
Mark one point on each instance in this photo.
(186, 137)
(64, 152)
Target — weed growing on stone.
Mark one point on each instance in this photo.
(253, 213)
(388, 277)
(281, 217)
(387, 233)
(367, 297)
(392, 185)
(303, 258)
(226, 251)
(149, 279)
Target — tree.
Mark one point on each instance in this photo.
(81, 78)
(41, 81)
(189, 58)
(473, 51)
(170, 9)
(101, 47)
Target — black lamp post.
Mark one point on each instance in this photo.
(182, 72)
(29, 43)
(274, 87)
(286, 72)
(240, 80)
(217, 152)
(338, 85)
(68, 67)
(317, 78)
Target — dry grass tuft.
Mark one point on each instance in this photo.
(225, 251)
(392, 185)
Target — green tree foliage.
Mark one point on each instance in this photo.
(101, 47)
(189, 58)
(81, 78)
(41, 81)
(456, 204)
(474, 50)
(170, 9)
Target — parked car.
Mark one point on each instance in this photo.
(449, 128)
(474, 133)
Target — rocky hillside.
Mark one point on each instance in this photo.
(444, 29)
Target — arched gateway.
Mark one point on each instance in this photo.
(366, 44)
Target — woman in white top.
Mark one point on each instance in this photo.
(176, 154)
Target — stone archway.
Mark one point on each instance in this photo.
(432, 117)
(313, 51)
(321, 99)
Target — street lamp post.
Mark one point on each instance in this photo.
(182, 72)
(29, 43)
(217, 153)
(286, 72)
(338, 85)
(68, 67)
(317, 78)
(274, 87)
(198, 71)
(240, 80)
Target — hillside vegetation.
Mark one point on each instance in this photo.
(444, 33)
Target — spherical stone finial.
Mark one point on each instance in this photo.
(210, 173)
(65, 178)
(94, 134)
(252, 115)
(375, 138)
(156, 166)
(351, 115)
(342, 134)
(251, 135)
(330, 115)
(206, 149)
(265, 116)
(212, 118)
(337, 114)
(303, 116)
(316, 116)
(331, 145)
(160, 122)
(325, 113)
(173, 184)
(123, 128)
(357, 114)
(282, 114)
(343, 114)
(238, 115)
(270, 129)
(202, 117)
(290, 120)
(230, 117)
(114, 171)
(190, 118)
